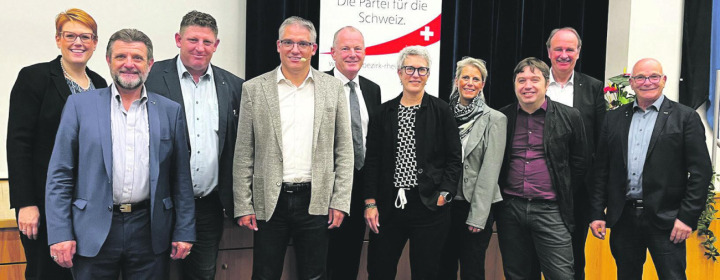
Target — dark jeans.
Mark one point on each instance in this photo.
(127, 249)
(309, 234)
(209, 228)
(633, 235)
(346, 241)
(426, 231)
(533, 231)
(464, 246)
(37, 253)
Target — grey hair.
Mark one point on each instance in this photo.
(349, 27)
(129, 35)
(413, 50)
(469, 61)
(299, 21)
(556, 30)
(533, 63)
(195, 18)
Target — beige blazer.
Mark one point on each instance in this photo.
(482, 160)
(258, 162)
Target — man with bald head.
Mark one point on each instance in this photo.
(652, 172)
(585, 93)
(363, 97)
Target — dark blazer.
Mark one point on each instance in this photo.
(437, 149)
(676, 174)
(589, 99)
(79, 198)
(163, 79)
(36, 102)
(565, 153)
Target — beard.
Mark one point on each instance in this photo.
(128, 85)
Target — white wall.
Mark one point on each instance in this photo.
(30, 28)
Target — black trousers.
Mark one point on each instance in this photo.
(464, 246)
(630, 239)
(37, 253)
(426, 231)
(208, 231)
(346, 241)
(309, 234)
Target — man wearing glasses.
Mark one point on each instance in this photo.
(652, 172)
(293, 164)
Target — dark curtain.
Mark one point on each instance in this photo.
(695, 63)
(501, 32)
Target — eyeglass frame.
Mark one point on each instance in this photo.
(289, 44)
(648, 78)
(414, 69)
(93, 37)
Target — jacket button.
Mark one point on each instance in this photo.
(466, 179)
(467, 166)
(420, 171)
(278, 184)
(110, 208)
(280, 159)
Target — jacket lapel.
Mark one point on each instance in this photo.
(477, 133)
(154, 127)
(59, 81)
(663, 113)
(172, 82)
(319, 103)
(105, 126)
(270, 92)
(578, 89)
(625, 130)
(223, 98)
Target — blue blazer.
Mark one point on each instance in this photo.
(79, 193)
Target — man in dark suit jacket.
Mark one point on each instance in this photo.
(585, 93)
(348, 51)
(652, 173)
(118, 187)
(545, 162)
(210, 97)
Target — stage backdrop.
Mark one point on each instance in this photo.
(388, 26)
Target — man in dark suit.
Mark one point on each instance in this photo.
(652, 174)
(210, 97)
(585, 93)
(118, 187)
(348, 51)
(545, 162)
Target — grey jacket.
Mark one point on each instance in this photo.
(482, 160)
(258, 164)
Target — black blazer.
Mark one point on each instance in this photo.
(676, 174)
(589, 99)
(371, 94)
(163, 79)
(437, 149)
(566, 153)
(36, 103)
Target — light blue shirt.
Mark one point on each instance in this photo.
(130, 149)
(641, 129)
(201, 112)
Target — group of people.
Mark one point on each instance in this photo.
(110, 180)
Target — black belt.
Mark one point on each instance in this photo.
(295, 187)
(635, 203)
(131, 207)
(529, 200)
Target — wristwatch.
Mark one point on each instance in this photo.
(446, 196)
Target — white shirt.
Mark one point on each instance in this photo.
(297, 113)
(364, 115)
(558, 93)
(130, 149)
(201, 112)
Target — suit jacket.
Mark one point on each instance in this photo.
(79, 185)
(163, 79)
(371, 94)
(566, 153)
(36, 102)
(258, 165)
(483, 157)
(589, 99)
(437, 152)
(676, 174)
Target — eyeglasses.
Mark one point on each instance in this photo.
(302, 45)
(84, 37)
(410, 70)
(653, 79)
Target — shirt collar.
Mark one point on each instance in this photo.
(655, 105)
(182, 70)
(542, 107)
(552, 78)
(344, 79)
(116, 94)
(281, 77)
